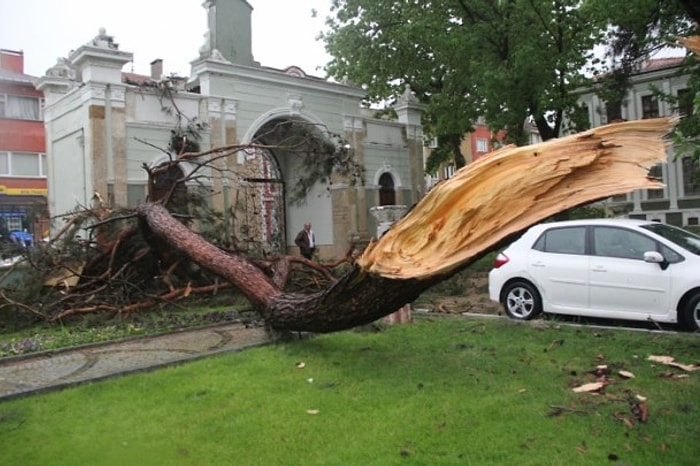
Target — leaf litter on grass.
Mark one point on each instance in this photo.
(604, 377)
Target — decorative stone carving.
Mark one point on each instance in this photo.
(408, 96)
(214, 105)
(102, 39)
(62, 69)
(230, 108)
(96, 92)
(205, 49)
(118, 94)
(218, 56)
(295, 104)
(295, 71)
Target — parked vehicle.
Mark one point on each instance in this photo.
(610, 268)
(22, 238)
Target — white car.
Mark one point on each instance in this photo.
(611, 268)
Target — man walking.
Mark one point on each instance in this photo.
(306, 241)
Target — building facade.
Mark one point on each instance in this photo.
(104, 125)
(678, 203)
(22, 150)
(475, 145)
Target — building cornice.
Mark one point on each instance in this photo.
(269, 76)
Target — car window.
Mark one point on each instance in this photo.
(681, 237)
(620, 242)
(670, 255)
(571, 240)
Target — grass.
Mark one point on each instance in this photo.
(440, 391)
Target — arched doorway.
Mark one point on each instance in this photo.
(258, 207)
(387, 193)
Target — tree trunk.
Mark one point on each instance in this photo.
(459, 220)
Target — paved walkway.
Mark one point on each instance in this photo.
(51, 370)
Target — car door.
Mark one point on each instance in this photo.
(620, 281)
(559, 267)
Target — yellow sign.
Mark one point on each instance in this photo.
(23, 191)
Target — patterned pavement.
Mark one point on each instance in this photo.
(52, 370)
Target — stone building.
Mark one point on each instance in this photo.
(104, 125)
(678, 202)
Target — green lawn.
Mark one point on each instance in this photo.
(440, 391)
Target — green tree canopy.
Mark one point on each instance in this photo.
(508, 61)
(512, 62)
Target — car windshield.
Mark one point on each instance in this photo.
(682, 238)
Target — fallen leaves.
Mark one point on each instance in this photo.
(603, 376)
(638, 410)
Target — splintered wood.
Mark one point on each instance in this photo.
(692, 43)
(512, 189)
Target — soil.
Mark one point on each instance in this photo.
(474, 299)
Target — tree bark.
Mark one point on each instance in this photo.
(462, 218)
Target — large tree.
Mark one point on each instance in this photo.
(458, 221)
(134, 261)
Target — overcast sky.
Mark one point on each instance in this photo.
(284, 31)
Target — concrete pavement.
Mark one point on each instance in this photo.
(50, 370)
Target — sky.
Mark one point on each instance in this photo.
(284, 31)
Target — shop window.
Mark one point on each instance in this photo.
(13, 223)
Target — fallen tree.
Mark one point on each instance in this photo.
(461, 219)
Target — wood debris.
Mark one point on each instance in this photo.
(670, 361)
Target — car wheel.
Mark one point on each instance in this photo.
(521, 300)
(690, 314)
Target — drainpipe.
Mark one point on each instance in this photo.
(81, 142)
(225, 185)
(109, 149)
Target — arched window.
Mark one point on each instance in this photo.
(387, 195)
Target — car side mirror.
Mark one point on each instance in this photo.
(655, 257)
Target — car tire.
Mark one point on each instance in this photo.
(521, 300)
(690, 314)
